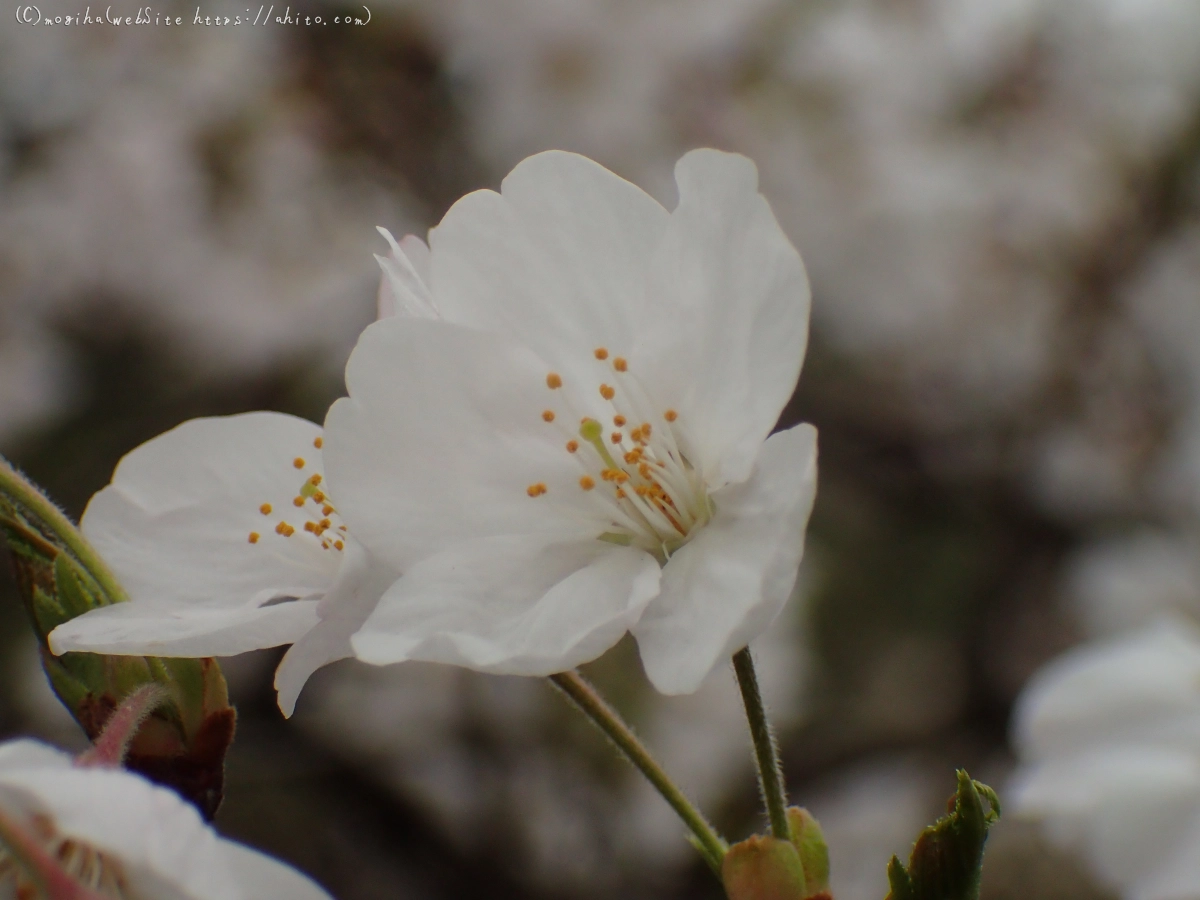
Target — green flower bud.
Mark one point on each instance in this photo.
(763, 868)
(182, 744)
(809, 841)
(947, 859)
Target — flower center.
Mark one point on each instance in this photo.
(313, 514)
(89, 867)
(634, 469)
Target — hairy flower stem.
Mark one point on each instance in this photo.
(583, 695)
(770, 773)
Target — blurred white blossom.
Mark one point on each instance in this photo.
(123, 837)
(1109, 741)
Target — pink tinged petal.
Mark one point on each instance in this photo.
(440, 439)
(559, 260)
(342, 611)
(511, 606)
(729, 326)
(159, 839)
(404, 287)
(150, 629)
(725, 587)
(175, 523)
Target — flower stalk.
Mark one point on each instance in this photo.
(710, 844)
(770, 773)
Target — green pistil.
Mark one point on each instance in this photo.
(593, 432)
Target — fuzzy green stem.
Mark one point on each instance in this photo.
(583, 695)
(770, 773)
(32, 499)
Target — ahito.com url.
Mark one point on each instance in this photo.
(28, 14)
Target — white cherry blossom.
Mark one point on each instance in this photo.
(562, 434)
(1109, 738)
(122, 837)
(222, 535)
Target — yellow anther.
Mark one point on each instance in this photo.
(619, 364)
(265, 509)
(318, 497)
(601, 353)
(310, 527)
(297, 501)
(339, 545)
(254, 537)
(620, 494)
(553, 381)
(326, 509)
(315, 480)
(284, 528)
(298, 462)
(536, 490)
(341, 528)
(618, 421)
(633, 455)
(645, 431)
(548, 415)
(587, 482)
(615, 437)
(325, 523)
(324, 545)
(572, 446)
(607, 392)
(670, 415)
(644, 470)
(318, 442)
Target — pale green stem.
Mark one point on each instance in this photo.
(770, 773)
(707, 841)
(32, 499)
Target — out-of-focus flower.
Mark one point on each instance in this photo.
(223, 536)
(569, 439)
(121, 837)
(1109, 737)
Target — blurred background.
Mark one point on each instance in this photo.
(999, 205)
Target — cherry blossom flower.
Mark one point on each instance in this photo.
(120, 837)
(563, 433)
(1109, 737)
(222, 534)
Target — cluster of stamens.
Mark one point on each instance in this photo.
(637, 473)
(311, 503)
(90, 868)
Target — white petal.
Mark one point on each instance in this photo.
(511, 606)
(26, 753)
(148, 827)
(728, 335)
(1143, 687)
(559, 260)
(152, 629)
(260, 876)
(441, 437)
(343, 610)
(1177, 875)
(726, 586)
(174, 524)
(1123, 808)
(404, 287)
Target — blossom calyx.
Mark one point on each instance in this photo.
(768, 868)
(182, 743)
